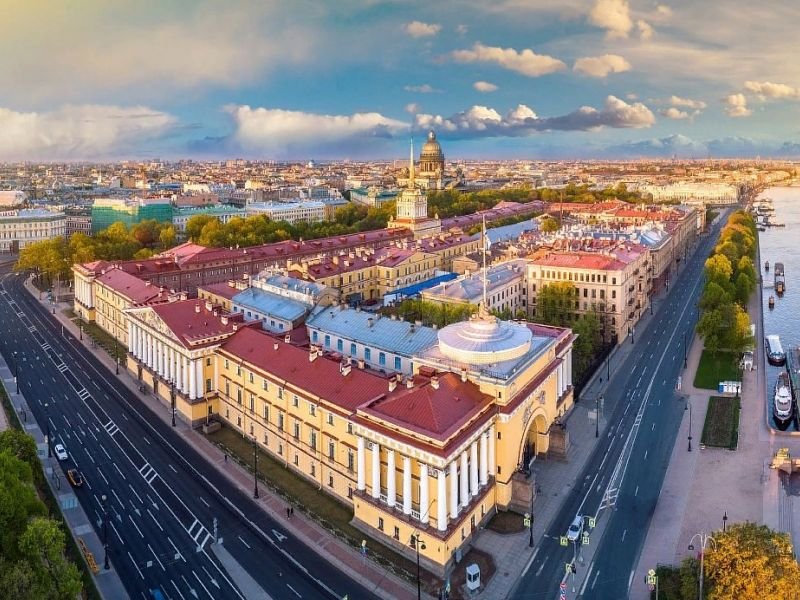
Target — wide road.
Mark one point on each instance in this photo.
(162, 497)
(622, 479)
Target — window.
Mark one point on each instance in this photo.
(312, 409)
(266, 439)
(251, 377)
(314, 337)
(340, 345)
(353, 349)
(330, 480)
(397, 363)
(330, 418)
(280, 449)
(367, 354)
(239, 370)
(350, 461)
(239, 396)
(280, 393)
(252, 429)
(208, 361)
(252, 403)
(295, 400)
(266, 412)
(296, 430)
(350, 428)
(331, 449)
(265, 385)
(280, 421)
(397, 533)
(382, 359)
(208, 385)
(312, 440)
(327, 341)
(380, 523)
(226, 363)
(313, 469)
(296, 460)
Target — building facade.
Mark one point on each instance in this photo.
(291, 212)
(19, 228)
(130, 211)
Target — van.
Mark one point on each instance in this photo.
(575, 529)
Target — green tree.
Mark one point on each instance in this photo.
(549, 225)
(714, 296)
(20, 445)
(718, 269)
(166, 237)
(555, 303)
(195, 225)
(18, 501)
(42, 545)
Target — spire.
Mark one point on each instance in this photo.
(483, 240)
(411, 166)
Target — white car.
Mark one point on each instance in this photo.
(575, 529)
(61, 452)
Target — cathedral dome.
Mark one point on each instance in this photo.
(431, 150)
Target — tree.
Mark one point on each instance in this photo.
(555, 303)
(751, 562)
(18, 501)
(42, 545)
(195, 225)
(714, 296)
(549, 225)
(20, 445)
(166, 237)
(718, 268)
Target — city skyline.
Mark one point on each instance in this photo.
(303, 80)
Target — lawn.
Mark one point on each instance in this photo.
(506, 522)
(102, 338)
(714, 368)
(305, 496)
(721, 427)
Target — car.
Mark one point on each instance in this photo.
(61, 452)
(575, 529)
(156, 594)
(75, 478)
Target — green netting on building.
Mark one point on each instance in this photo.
(129, 214)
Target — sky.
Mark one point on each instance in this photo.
(355, 79)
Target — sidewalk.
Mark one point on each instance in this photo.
(341, 555)
(511, 552)
(716, 481)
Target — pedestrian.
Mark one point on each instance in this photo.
(292, 510)
(288, 513)
(226, 457)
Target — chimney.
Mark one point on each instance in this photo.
(370, 321)
(345, 369)
(435, 382)
(410, 382)
(275, 346)
(197, 307)
(361, 363)
(312, 355)
(392, 385)
(464, 375)
(287, 338)
(224, 319)
(209, 305)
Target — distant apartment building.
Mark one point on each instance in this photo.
(12, 198)
(130, 211)
(506, 288)
(693, 193)
(78, 221)
(19, 228)
(291, 212)
(372, 196)
(222, 212)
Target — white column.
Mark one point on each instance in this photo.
(424, 497)
(391, 482)
(131, 341)
(441, 501)
(453, 489)
(406, 485)
(185, 368)
(376, 470)
(192, 381)
(139, 344)
(492, 440)
(473, 468)
(484, 460)
(201, 385)
(146, 348)
(463, 476)
(361, 465)
(569, 367)
(559, 379)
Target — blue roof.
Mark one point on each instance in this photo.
(413, 290)
(398, 337)
(510, 232)
(265, 303)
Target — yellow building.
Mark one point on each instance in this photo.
(434, 454)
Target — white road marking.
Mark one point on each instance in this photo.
(294, 590)
(245, 543)
(154, 519)
(158, 560)
(135, 565)
(136, 526)
(204, 501)
(636, 492)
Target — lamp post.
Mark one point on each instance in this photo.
(16, 370)
(416, 543)
(597, 416)
(47, 435)
(116, 356)
(704, 538)
(725, 522)
(106, 566)
(81, 329)
(689, 406)
(255, 468)
(684, 350)
(172, 399)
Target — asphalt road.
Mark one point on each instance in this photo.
(162, 497)
(622, 479)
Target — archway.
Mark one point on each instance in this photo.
(534, 441)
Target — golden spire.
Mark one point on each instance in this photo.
(411, 166)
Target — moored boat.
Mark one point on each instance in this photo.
(766, 266)
(780, 278)
(775, 354)
(782, 402)
(772, 301)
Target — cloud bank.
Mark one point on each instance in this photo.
(526, 61)
(601, 66)
(418, 29)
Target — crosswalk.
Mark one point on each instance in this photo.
(148, 472)
(199, 534)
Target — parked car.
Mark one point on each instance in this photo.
(75, 477)
(575, 529)
(61, 452)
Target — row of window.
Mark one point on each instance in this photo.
(398, 361)
(584, 277)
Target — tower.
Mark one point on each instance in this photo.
(412, 207)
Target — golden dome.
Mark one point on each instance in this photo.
(431, 150)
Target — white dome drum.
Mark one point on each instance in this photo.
(484, 339)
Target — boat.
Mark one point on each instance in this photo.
(780, 278)
(782, 408)
(772, 301)
(766, 266)
(775, 354)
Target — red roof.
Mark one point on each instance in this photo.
(139, 292)
(291, 365)
(195, 325)
(224, 289)
(580, 260)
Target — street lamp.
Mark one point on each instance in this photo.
(106, 566)
(255, 468)
(47, 436)
(684, 349)
(416, 543)
(704, 539)
(81, 328)
(16, 370)
(597, 416)
(689, 406)
(172, 399)
(725, 522)
(116, 356)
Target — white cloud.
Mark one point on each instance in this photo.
(646, 30)
(412, 108)
(526, 61)
(612, 15)
(774, 91)
(664, 11)
(419, 29)
(483, 121)
(484, 86)
(686, 103)
(425, 88)
(462, 29)
(736, 106)
(79, 132)
(674, 113)
(631, 96)
(601, 66)
(276, 130)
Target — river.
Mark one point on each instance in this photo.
(779, 244)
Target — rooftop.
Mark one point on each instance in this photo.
(194, 324)
(267, 303)
(134, 289)
(470, 288)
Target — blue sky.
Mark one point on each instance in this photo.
(298, 79)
